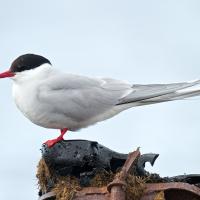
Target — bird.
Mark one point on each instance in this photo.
(56, 100)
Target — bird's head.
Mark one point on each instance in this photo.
(23, 64)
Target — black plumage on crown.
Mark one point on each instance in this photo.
(27, 62)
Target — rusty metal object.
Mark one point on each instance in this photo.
(91, 193)
(128, 165)
(116, 187)
(172, 191)
(153, 188)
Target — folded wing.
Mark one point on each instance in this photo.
(160, 92)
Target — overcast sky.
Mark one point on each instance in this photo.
(138, 41)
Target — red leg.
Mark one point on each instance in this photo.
(51, 143)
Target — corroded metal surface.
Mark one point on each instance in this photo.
(90, 193)
(154, 187)
(116, 187)
(128, 165)
(120, 177)
(172, 191)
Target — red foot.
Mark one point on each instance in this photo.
(51, 143)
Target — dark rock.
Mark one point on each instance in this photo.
(149, 157)
(76, 157)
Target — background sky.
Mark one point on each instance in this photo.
(138, 41)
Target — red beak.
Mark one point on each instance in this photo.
(7, 74)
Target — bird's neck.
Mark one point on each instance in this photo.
(36, 74)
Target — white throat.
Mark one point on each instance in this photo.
(33, 74)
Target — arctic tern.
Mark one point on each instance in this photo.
(52, 99)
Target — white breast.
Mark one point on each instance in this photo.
(25, 93)
(25, 99)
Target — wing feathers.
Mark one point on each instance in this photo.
(153, 91)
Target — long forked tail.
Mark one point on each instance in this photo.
(157, 93)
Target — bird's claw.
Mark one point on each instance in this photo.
(51, 143)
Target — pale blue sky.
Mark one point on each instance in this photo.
(138, 41)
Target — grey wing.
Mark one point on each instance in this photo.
(80, 97)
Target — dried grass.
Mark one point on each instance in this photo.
(66, 187)
(43, 175)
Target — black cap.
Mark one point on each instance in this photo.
(27, 62)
